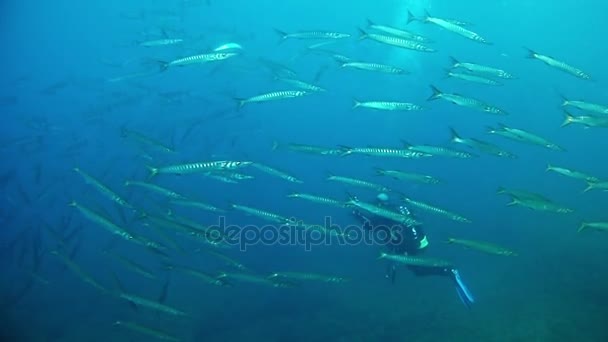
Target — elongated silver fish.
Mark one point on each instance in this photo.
(397, 32)
(387, 69)
(308, 277)
(435, 210)
(540, 205)
(103, 189)
(584, 105)
(196, 204)
(103, 222)
(359, 183)
(383, 212)
(472, 78)
(603, 226)
(449, 25)
(143, 139)
(317, 199)
(277, 173)
(383, 152)
(480, 145)
(198, 59)
(262, 214)
(524, 136)
(585, 120)
(182, 169)
(483, 246)
(416, 260)
(400, 175)
(387, 105)
(466, 102)
(601, 185)
(301, 84)
(481, 69)
(395, 41)
(156, 188)
(312, 35)
(272, 96)
(572, 173)
(558, 65)
(438, 151)
(161, 42)
(150, 304)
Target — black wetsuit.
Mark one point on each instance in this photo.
(400, 239)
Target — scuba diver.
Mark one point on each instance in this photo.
(402, 239)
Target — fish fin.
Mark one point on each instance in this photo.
(531, 53)
(582, 227)
(454, 61)
(153, 171)
(436, 93)
(406, 144)
(282, 34)
(568, 119)
(346, 150)
(513, 202)
(356, 104)
(589, 186)
(455, 137)
(240, 102)
(450, 240)
(362, 34)
(411, 17)
(275, 145)
(564, 99)
(162, 65)
(370, 22)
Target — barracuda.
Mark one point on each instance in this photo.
(435, 210)
(388, 69)
(386, 105)
(317, 199)
(483, 247)
(465, 102)
(449, 25)
(558, 65)
(395, 41)
(183, 169)
(481, 69)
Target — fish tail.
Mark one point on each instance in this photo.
(370, 22)
(162, 65)
(549, 167)
(275, 145)
(411, 17)
(500, 190)
(281, 34)
(72, 204)
(345, 150)
(455, 137)
(153, 171)
(240, 102)
(362, 33)
(379, 171)
(531, 53)
(568, 119)
(582, 227)
(564, 99)
(454, 62)
(436, 93)
(590, 186)
(356, 104)
(382, 256)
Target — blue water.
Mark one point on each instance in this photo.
(60, 111)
